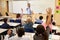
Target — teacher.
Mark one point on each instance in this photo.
(28, 9)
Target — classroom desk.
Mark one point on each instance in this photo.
(14, 18)
(55, 37)
(2, 33)
(35, 25)
(55, 28)
(5, 16)
(11, 24)
(2, 30)
(32, 34)
(2, 17)
(24, 19)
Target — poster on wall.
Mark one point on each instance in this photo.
(58, 6)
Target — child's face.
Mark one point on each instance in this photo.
(28, 4)
(9, 32)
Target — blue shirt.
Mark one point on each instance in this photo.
(29, 11)
(5, 25)
(39, 21)
(28, 27)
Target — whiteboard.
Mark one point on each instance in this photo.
(36, 6)
(17, 5)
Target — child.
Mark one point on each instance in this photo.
(40, 33)
(5, 24)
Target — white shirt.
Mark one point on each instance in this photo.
(6, 37)
(17, 38)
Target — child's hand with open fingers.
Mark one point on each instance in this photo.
(49, 11)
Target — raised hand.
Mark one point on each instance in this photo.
(22, 10)
(49, 11)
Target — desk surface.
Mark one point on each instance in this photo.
(3, 30)
(55, 37)
(55, 27)
(2, 17)
(10, 23)
(32, 34)
(35, 25)
(5, 16)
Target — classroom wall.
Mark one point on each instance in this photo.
(0, 6)
(57, 18)
(4, 9)
(3, 6)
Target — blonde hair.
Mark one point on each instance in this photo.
(29, 19)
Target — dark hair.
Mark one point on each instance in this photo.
(40, 30)
(41, 17)
(52, 15)
(5, 20)
(10, 29)
(53, 23)
(28, 4)
(18, 15)
(20, 32)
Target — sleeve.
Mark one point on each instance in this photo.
(6, 37)
(11, 38)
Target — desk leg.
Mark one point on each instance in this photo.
(0, 37)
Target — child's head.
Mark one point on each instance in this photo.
(41, 17)
(52, 15)
(53, 23)
(18, 15)
(7, 14)
(5, 20)
(20, 32)
(40, 29)
(29, 20)
(28, 4)
(9, 31)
